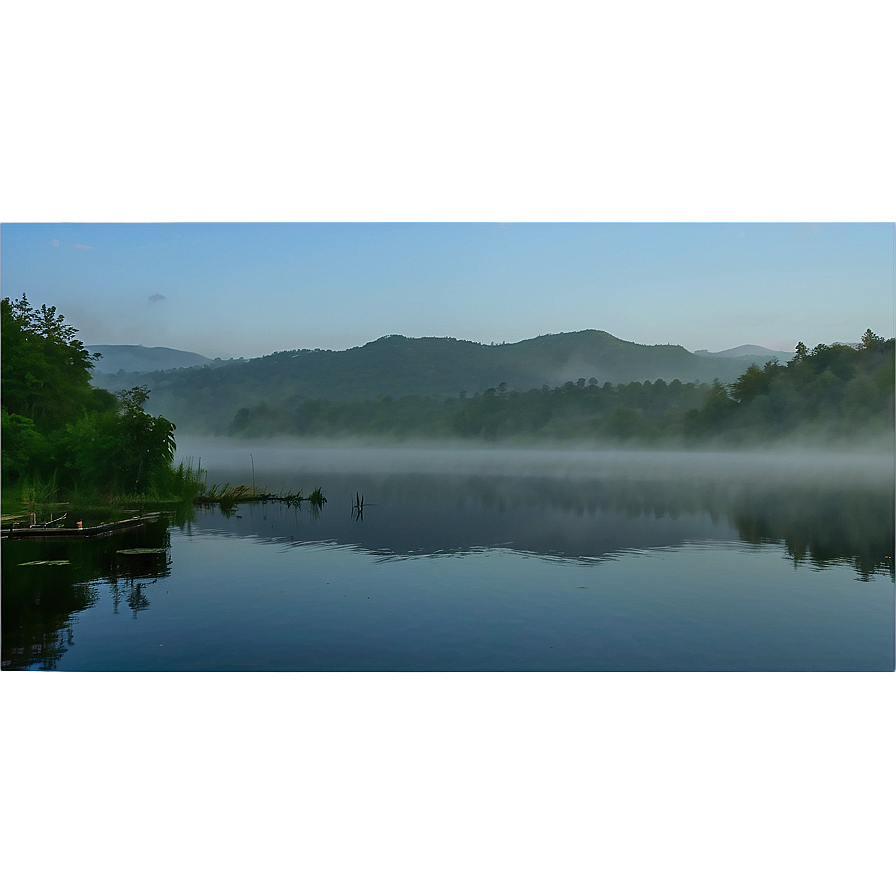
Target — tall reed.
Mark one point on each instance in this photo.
(37, 492)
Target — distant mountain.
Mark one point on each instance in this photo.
(135, 358)
(747, 351)
(208, 397)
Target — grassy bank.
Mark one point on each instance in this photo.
(185, 487)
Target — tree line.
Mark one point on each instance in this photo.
(206, 398)
(833, 391)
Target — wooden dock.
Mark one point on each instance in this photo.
(103, 530)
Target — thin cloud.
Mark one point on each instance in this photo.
(157, 297)
(82, 247)
(54, 244)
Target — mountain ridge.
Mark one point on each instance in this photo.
(394, 366)
(135, 358)
(747, 351)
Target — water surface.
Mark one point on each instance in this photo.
(493, 561)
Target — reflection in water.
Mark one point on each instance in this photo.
(40, 602)
(38, 632)
(587, 519)
(132, 568)
(822, 526)
(133, 594)
(387, 516)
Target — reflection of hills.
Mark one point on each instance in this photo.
(414, 515)
(584, 518)
(41, 601)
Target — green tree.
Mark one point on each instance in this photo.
(53, 418)
(123, 450)
(24, 449)
(716, 413)
(872, 341)
(45, 370)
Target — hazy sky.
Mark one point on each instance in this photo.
(578, 116)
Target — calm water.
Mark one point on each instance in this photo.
(482, 560)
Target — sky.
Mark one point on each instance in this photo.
(382, 117)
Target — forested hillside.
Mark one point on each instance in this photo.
(396, 366)
(55, 422)
(839, 393)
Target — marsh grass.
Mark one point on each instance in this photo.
(39, 499)
(227, 496)
(175, 489)
(186, 482)
(179, 487)
(38, 492)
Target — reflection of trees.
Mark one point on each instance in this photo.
(40, 602)
(822, 526)
(137, 599)
(39, 631)
(131, 572)
(133, 593)
(817, 524)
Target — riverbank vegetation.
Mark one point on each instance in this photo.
(63, 439)
(66, 443)
(227, 496)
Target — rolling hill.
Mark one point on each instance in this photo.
(136, 358)
(207, 397)
(757, 353)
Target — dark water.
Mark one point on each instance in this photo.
(521, 561)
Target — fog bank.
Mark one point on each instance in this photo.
(272, 459)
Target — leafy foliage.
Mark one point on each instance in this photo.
(833, 390)
(55, 424)
(23, 447)
(45, 369)
(124, 449)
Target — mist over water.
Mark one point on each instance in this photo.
(479, 558)
(818, 507)
(276, 460)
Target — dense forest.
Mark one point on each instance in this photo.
(206, 398)
(59, 431)
(833, 391)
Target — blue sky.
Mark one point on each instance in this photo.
(250, 289)
(580, 116)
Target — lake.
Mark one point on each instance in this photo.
(481, 560)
